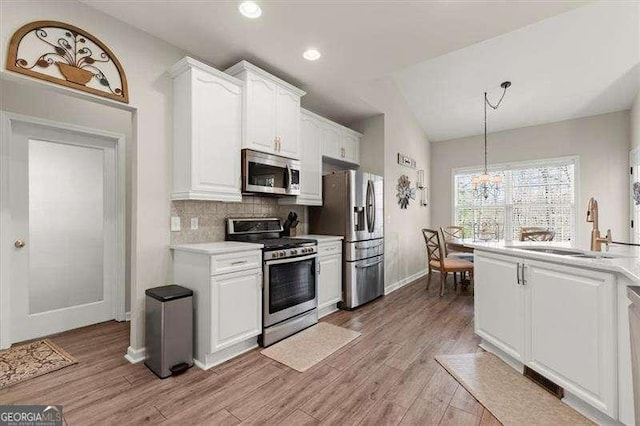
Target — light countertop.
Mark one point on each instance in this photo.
(220, 247)
(321, 238)
(620, 259)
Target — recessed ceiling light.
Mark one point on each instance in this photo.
(311, 54)
(250, 9)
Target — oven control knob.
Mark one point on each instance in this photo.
(283, 253)
(294, 251)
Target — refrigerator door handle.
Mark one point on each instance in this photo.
(371, 206)
(369, 265)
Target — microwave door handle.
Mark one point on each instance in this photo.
(289, 178)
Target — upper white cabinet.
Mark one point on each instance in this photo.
(207, 133)
(340, 143)
(311, 163)
(271, 111)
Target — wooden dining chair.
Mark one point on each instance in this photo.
(544, 235)
(449, 233)
(439, 262)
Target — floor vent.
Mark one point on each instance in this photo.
(544, 383)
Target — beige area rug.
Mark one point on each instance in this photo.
(29, 360)
(512, 398)
(307, 348)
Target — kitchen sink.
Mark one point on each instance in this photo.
(551, 250)
(566, 252)
(595, 256)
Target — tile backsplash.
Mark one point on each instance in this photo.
(211, 216)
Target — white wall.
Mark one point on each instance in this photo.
(601, 142)
(371, 144)
(635, 122)
(404, 244)
(145, 60)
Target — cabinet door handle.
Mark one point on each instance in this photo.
(518, 273)
(524, 282)
(239, 262)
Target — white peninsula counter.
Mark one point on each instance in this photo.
(562, 313)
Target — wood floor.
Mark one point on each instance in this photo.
(385, 377)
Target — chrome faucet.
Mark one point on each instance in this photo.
(596, 239)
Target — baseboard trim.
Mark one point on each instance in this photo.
(217, 358)
(326, 310)
(411, 278)
(135, 356)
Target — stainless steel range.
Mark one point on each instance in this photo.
(290, 276)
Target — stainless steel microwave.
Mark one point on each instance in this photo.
(264, 173)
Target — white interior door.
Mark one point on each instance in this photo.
(64, 226)
(634, 167)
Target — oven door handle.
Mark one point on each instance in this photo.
(368, 265)
(290, 259)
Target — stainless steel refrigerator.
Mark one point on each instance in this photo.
(352, 206)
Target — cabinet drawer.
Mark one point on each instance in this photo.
(334, 247)
(233, 262)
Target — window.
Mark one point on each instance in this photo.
(534, 194)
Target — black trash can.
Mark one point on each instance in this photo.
(169, 330)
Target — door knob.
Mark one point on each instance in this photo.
(19, 243)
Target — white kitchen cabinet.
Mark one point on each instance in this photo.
(311, 163)
(330, 278)
(572, 323)
(207, 133)
(271, 111)
(331, 140)
(236, 301)
(340, 143)
(351, 146)
(556, 319)
(227, 289)
(499, 303)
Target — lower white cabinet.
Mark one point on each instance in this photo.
(330, 278)
(227, 291)
(236, 301)
(572, 324)
(499, 303)
(558, 320)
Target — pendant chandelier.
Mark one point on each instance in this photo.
(485, 184)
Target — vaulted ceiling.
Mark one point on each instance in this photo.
(580, 63)
(359, 41)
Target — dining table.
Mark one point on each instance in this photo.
(459, 245)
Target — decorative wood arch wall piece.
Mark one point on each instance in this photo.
(63, 54)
